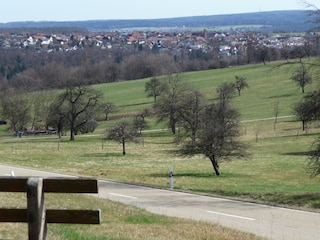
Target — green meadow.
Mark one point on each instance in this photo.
(274, 174)
(267, 84)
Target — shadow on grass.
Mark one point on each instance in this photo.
(308, 153)
(137, 104)
(295, 200)
(301, 133)
(280, 96)
(195, 175)
(302, 199)
(199, 175)
(305, 200)
(288, 63)
(101, 155)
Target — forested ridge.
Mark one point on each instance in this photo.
(289, 21)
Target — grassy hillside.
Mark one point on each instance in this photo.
(267, 84)
(274, 174)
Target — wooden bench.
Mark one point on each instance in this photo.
(36, 215)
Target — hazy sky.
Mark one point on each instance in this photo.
(73, 10)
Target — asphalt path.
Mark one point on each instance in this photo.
(266, 221)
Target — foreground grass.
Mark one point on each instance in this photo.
(119, 222)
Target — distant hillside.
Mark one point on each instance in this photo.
(289, 21)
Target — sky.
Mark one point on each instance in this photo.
(77, 10)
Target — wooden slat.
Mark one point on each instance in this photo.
(13, 215)
(73, 216)
(53, 185)
(54, 216)
(70, 185)
(13, 184)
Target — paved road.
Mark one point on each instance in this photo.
(271, 222)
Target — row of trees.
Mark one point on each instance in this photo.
(73, 110)
(189, 117)
(211, 128)
(207, 128)
(201, 127)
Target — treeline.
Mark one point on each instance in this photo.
(42, 28)
(288, 21)
(28, 70)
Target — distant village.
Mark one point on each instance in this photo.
(229, 43)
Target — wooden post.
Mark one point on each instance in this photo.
(36, 214)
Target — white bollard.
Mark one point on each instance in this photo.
(171, 178)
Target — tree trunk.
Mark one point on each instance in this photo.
(215, 165)
(173, 129)
(59, 130)
(72, 131)
(123, 147)
(72, 135)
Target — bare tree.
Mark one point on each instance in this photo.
(52, 75)
(250, 49)
(285, 53)
(263, 54)
(124, 131)
(308, 109)
(302, 77)
(218, 134)
(302, 113)
(190, 107)
(139, 120)
(225, 91)
(214, 128)
(276, 111)
(167, 106)
(108, 71)
(299, 52)
(79, 103)
(240, 84)
(40, 105)
(314, 15)
(89, 127)
(313, 164)
(154, 88)
(15, 107)
(109, 108)
(56, 117)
